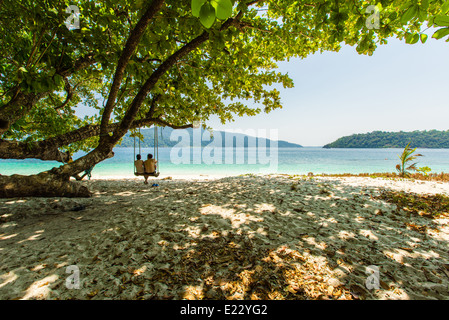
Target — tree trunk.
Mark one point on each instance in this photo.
(55, 182)
(48, 149)
(45, 184)
(102, 152)
(38, 150)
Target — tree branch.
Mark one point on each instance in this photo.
(22, 102)
(167, 124)
(68, 89)
(132, 111)
(128, 51)
(48, 149)
(107, 142)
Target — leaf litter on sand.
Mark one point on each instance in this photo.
(424, 205)
(245, 238)
(232, 267)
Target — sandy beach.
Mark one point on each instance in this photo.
(241, 237)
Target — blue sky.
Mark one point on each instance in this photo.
(401, 87)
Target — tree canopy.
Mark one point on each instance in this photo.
(138, 63)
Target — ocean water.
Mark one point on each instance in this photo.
(196, 161)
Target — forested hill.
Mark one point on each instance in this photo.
(381, 139)
(166, 133)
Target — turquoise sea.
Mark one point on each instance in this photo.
(240, 161)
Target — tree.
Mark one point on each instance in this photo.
(380, 139)
(171, 62)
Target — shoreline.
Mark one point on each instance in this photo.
(376, 179)
(271, 237)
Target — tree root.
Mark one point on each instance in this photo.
(44, 184)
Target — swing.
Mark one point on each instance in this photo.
(156, 155)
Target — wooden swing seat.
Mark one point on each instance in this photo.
(156, 152)
(154, 174)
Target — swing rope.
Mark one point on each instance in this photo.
(155, 148)
(134, 158)
(140, 150)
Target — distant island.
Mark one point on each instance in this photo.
(165, 133)
(381, 139)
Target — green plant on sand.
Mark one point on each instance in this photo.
(407, 156)
(425, 170)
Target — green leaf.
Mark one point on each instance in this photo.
(360, 22)
(196, 7)
(423, 38)
(58, 79)
(424, 4)
(408, 37)
(138, 4)
(223, 8)
(207, 15)
(442, 21)
(218, 40)
(414, 39)
(441, 33)
(422, 15)
(409, 14)
(445, 7)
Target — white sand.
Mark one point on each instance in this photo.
(245, 237)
